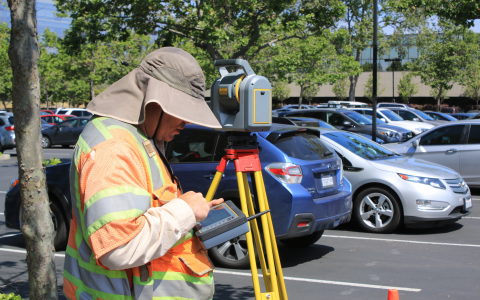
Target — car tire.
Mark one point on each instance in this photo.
(232, 254)
(60, 227)
(46, 142)
(303, 241)
(375, 218)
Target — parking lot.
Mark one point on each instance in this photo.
(439, 263)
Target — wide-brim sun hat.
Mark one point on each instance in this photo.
(168, 76)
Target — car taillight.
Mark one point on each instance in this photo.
(10, 128)
(285, 172)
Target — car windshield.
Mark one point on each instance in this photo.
(325, 125)
(302, 145)
(424, 115)
(391, 115)
(360, 119)
(378, 120)
(360, 146)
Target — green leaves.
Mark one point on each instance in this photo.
(406, 89)
(52, 162)
(10, 296)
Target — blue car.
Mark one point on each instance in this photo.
(303, 178)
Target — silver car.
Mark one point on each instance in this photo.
(389, 188)
(7, 133)
(415, 115)
(455, 145)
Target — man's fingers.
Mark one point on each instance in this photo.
(215, 202)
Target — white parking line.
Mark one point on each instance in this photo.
(2, 192)
(1, 214)
(371, 286)
(401, 241)
(10, 235)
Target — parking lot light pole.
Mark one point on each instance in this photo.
(375, 54)
(393, 60)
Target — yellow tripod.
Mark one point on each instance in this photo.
(245, 157)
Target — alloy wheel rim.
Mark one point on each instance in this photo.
(376, 210)
(44, 142)
(235, 249)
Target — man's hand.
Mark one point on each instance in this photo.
(199, 204)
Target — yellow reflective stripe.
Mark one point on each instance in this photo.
(184, 238)
(206, 280)
(102, 128)
(83, 145)
(131, 213)
(114, 192)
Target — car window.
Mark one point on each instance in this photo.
(302, 145)
(360, 119)
(423, 115)
(391, 115)
(448, 135)
(2, 122)
(221, 146)
(335, 119)
(87, 113)
(10, 120)
(61, 112)
(57, 120)
(83, 123)
(435, 117)
(474, 136)
(406, 115)
(48, 119)
(362, 147)
(69, 123)
(77, 113)
(192, 146)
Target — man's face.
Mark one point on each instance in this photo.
(169, 127)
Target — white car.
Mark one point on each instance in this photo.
(392, 118)
(78, 112)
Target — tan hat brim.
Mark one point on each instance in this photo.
(126, 99)
(180, 104)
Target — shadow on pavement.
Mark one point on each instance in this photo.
(226, 291)
(291, 257)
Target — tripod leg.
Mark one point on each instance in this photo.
(214, 186)
(281, 282)
(251, 251)
(256, 235)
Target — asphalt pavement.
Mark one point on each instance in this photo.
(438, 263)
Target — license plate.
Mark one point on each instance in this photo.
(327, 181)
(468, 203)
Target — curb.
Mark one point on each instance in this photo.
(4, 156)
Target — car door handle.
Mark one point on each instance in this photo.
(452, 150)
(210, 176)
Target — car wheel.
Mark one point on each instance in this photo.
(377, 210)
(232, 254)
(303, 241)
(59, 226)
(1, 148)
(46, 142)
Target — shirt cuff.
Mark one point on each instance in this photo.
(183, 213)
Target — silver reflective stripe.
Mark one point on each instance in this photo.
(116, 203)
(84, 251)
(143, 292)
(98, 282)
(182, 289)
(92, 136)
(110, 122)
(85, 296)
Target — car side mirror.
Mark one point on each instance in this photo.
(416, 143)
(416, 119)
(347, 124)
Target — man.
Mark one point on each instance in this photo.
(131, 233)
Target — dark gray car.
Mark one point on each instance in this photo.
(352, 121)
(65, 134)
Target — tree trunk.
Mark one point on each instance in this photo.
(301, 96)
(37, 226)
(92, 90)
(353, 85)
(46, 94)
(5, 105)
(439, 96)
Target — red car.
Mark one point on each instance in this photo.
(56, 119)
(44, 112)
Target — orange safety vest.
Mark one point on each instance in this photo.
(113, 215)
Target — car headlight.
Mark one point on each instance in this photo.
(386, 133)
(421, 129)
(431, 205)
(434, 182)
